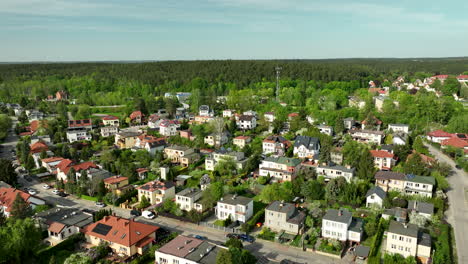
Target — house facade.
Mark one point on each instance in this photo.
(77, 135)
(407, 240)
(241, 141)
(187, 250)
(383, 160)
(306, 147)
(246, 122)
(111, 121)
(406, 183)
(216, 139)
(375, 197)
(126, 139)
(238, 208)
(399, 128)
(275, 145)
(367, 136)
(169, 128)
(108, 131)
(332, 171)
(280, 168)
(340, 225)
(189, 199)
(281, 216)
(224, 155)
(156, 191)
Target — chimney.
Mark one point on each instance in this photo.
(348, 166)
(405, 225)
(340, 213)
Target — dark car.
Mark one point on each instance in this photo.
(200, 237)
(247, 238)
(62, 194)
(458, 167)
(232, 235)
(135, 213)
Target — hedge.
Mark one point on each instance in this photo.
(68, 244)
(247, 227)
(374, 253)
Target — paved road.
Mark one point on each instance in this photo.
(259, 248)
(457, 215)
(10, 142)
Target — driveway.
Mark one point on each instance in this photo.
(457, 214)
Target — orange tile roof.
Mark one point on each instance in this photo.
(136, 114)
(52, 159)
(56, 227)
(455, 142)
(39, 146)
(242, 137)
(63, 165)
(121, 231)
(381, 154)
(156, 185)
(8, 195)
(439, 133)
(115, 179)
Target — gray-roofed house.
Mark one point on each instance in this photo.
(332, 171)
(306, 147)
(407, 240)
(400, 214)
(375, 197)
(224, 155)
(188, 198)
(340, 225)
(421, 208)
(238, 208)
(62, 223)
(279, 168)
(284, 217)
(184, 249)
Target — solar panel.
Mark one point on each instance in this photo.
(102, 229)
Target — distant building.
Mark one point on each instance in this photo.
(276, 145)
(215, 139)
(228, 113)
(126, 139)
(8, 195)
(224, 155)
(136, 117)
(324, 129)
(169, 128)
(108, 131)
(421, 208)
(247, 122)
(279, 168)
(111, 121)
(405, 183)
(332, 171)
(383, 160)
(375, 197)
(269, 117)
(204, 110)
(341, 225)
(399, 128)
(77, 135)
(367, 136)
(241, 141)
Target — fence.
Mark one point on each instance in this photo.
(223, 229)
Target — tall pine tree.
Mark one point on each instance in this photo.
(20, 208)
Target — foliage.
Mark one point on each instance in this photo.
(443, 252)
(417, 219)
(20, 208)
(332, 246)
(234, 242)
(101, 214)
(247, 227)
(415, 165)
(212, 194)
(41, 208)
(398, 259)
(5, 124)
(20, 240)
(442, 183)
(312, 190)
(66, 247)
(374, 253)
(78, 258)
(7, 172)
(144, 202)
(266, 234)
(277, 192)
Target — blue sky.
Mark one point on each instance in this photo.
(93, 30)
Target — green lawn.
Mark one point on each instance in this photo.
(89, 198)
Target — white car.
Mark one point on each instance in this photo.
(55, 191)
(32, 192)
(100, 204)
(46, 186)
(148, 215)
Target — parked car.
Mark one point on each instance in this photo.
(55, 191)
(246, 238)
(46, 186)
(232, 235)
(32, 192)
(100, 204)
(148, 214)
(458, 167)
(135, 212)
(200, 237)
(62, 194)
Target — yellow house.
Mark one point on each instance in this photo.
(126, 139)
(156, 191)
(115, 183)
(123, 235)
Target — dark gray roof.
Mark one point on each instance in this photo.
(422, 207)
(234, 200)
(403, 229)
(342, 215)
(279, 207)
(378, 191)
(356, 225)
(205, 179)
(246, 118)
(66, 216)
(388, 147)
(189, 192)
(337, 167)
(204, 253)
(296, 218)
(308, 142)
(362, 251)
(424, 239)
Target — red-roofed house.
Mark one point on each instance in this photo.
(168, 127)
(291, 116)
(156, 191)
(124, 236)
(462, 78)
(438, 136)
(456, 142)
(38, 147)
(136, 117)
(374, 120)
(8, 195)
(51, 163)
(241, 141)
(66, 165)
(110, 121)
(441, 77)
(383, 160)
(116, 184)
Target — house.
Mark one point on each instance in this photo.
(280, 168)
(224, 155)
(61, 95)
(94, 173)
(238, 208)
(269, 117)
(80, 124)
(116, 184)
(203, 119)
(341, 225)
(332, 171)
(456, 141)
(324, 129)
(375, 197)
(421, 208)
(228, 113)
(149, 143)
(397, 213)
(35, 115)
(111, 121)
(241, 141)
(355, 101)
(407, 240)
(383, 160)
(349, 123)
(462, 78)
(186, 134)
(247, 122)
(306, 147)
(169, 128)
(205, 181)
(156, 191)
(336, 155)
(291, 116)
(136, 117)
(124, 236)
(367, 136)
(406, 183)
(181, 154)
(285, 217)
(187, 250)
(108, 131)
(379, 102)
(38, 147)
(77, 135)
(275, 145)
(204, 110)
(399, 128)
(154, 120)
(399, 138)
(371, 123)
(61, 223)
(64, 167)
(8, 196)
(51, 163)
(438, 136)
(216, 139)
(189, 199)
(126, 139)
(46, 139)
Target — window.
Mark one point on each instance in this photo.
(393, 246)
(175, 261)
(394, 237)
(408, 240)
(402, 238)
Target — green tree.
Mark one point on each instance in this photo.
(312, 190)
(334, 188)
(451, 86)
(7, 172)
(21, 239)
(234, 243)
(144, 202)
(224, 257)
(365, 169)
(419, 146)
(277, 192)
(212, 194)
(415, 165)
(78, 258)
(20, 208)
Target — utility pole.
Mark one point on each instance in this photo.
(278, 71)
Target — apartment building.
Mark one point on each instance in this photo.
(367, 136)
(341, 225)
(156, 191)
(383, 160)
(406, 183)
(332, 171)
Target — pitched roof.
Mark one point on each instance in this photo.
(167, 123)
(110, 117)
(242, 137)
(156, 185)
(56, 227)
(462, 77)
(115, 179)
(52, 159)
(284, 160)
(280, 207)
(422, 207)
(80, 123)
(308, 142)
(382, 154)
(337, 167)
(39, 146)
(246, 118)
(293, 114)
(276, 139)
(342, 215)
(64, 164)
(390, 175)
(377, 191)
(439, 133)
(135, 114)
(455, 142)
(420, 179)
(440, 76)
(403, 229)
(120, 230)
(8, 195)
(180, 246)
(377, 121)
(235, 199)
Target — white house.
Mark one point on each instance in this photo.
(241, 141)
(279, 168)
(354, 101)
(168, 128)
(238, 208)
(187, 250)
(438, 136)
(276, 145)
(214, 139)
(375, 197)
(204, 110)
(407, 240)
(109, 131)
(188, 199)
(406, 183)
(306, 147)
(340, 225)
(399, 128)
(334, 171)
(269, 116)
(154, 120)
(77, 135)
(247, 122)
(383, 160)
(327, 130)
(281, 216)
(228, 113)
(110, 121)
(367, 136)
(156, 192)
(421, 208)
